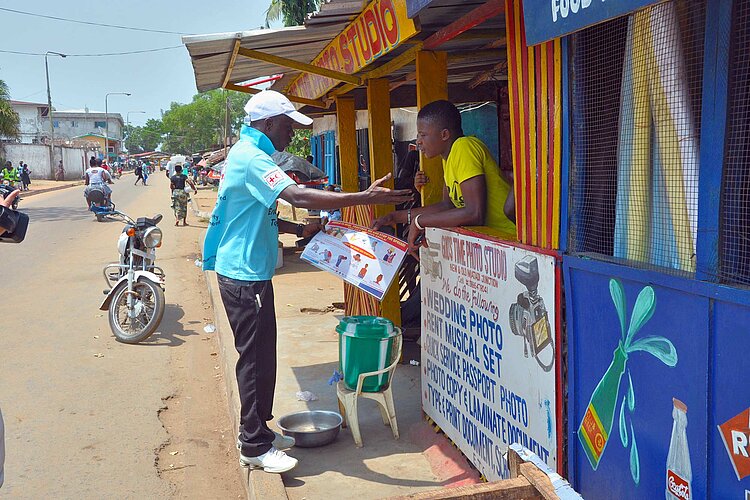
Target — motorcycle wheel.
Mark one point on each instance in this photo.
(149, 305)
(99, 218)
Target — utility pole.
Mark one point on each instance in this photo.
(226, 122)
(106, 123)
(49, 113)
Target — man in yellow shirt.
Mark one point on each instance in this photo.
(474, 194)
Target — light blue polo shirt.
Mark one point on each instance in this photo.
(241, 240)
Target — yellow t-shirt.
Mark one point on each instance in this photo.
(468, 158)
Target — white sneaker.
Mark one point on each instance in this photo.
(271, 461)
(280, 442)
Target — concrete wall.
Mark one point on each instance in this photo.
(37, 157)
(29, 123)
(75, 162)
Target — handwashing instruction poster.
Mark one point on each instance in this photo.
(365, 258)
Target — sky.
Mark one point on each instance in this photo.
(154, 79)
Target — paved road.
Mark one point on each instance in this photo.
(82, 411)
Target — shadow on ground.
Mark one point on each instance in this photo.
(171, 331)
(52, 214)
(380, 449)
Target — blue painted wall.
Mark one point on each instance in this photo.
(708, 326)
(482, 123)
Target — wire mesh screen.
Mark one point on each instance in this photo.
(735, 227)
(636, 87)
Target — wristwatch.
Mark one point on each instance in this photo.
(300, 230)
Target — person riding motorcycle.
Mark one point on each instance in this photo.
(97, 178)
(9, 174)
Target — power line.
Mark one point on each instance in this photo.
(94, 55)
(93, 24)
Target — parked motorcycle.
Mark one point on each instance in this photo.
(135, 303)
(5, 190)
(99, 202)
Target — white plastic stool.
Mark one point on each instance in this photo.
(384, 398)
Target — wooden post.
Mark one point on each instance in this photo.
(432, 85)
(346, 119)
(381, 163)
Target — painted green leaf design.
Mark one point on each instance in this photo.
(642, 312)
(623, 427)
(631, 393)
(635, 466)
(659, 347)
(618, 298)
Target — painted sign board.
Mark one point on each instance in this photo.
(657, 404)
(414, 6)
(381, 27)
(549, 19)
(488, 349)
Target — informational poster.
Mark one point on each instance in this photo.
(488, 347)
(360, 256)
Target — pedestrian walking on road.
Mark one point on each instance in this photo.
(60, 173)
(139, 175)
(25, 177)
(180, 184)
(241, 246)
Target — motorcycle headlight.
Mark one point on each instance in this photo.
(152, 237)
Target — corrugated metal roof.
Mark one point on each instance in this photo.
(211, 54)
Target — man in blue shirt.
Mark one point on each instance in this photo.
(241, 246)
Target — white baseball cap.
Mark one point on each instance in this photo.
(271, 103)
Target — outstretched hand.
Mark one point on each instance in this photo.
(312, 229)
(415, 239)
(379, 195)
(8, 201)
(386, 220)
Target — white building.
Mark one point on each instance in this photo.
(71, 126)
(31, 125)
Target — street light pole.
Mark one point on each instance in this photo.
(106, 122)
(49, 112)
(127, 127)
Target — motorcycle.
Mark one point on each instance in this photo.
(135, 303)
(5, 190)
(99, 203)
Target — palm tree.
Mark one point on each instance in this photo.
(293, 12)
(9, 120)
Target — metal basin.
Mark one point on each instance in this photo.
(311, 428)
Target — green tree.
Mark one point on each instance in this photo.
(300, 145)
(200, 124)
(293, 12)
(9, 120)
(143, 139)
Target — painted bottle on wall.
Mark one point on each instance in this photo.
(596, 426)
(679, 471)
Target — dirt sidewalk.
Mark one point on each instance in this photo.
(421, 460)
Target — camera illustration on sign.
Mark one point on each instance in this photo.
(595, 429)
(430, 262)
(528, 315)
(735, 433)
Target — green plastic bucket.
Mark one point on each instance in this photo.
(365, 345)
